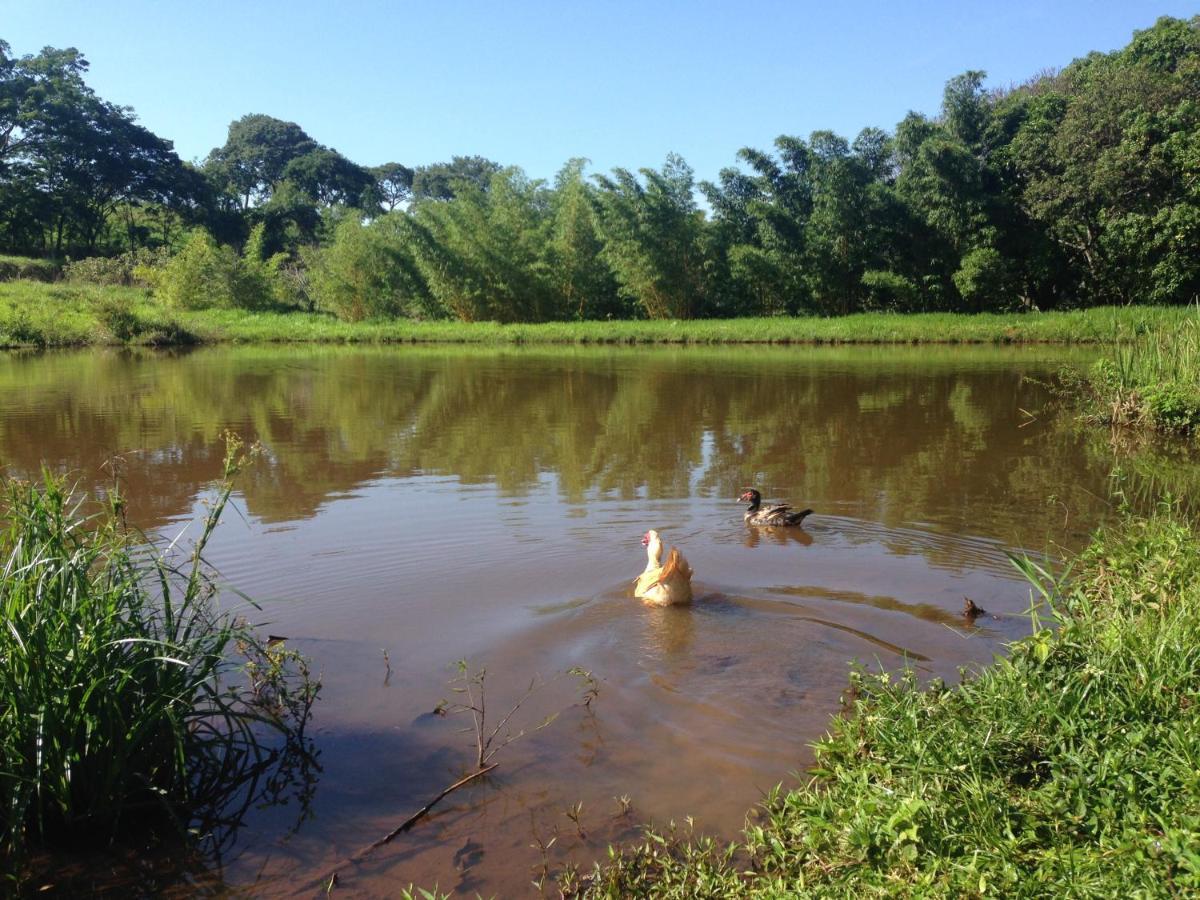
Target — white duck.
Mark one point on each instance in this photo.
(663, 585)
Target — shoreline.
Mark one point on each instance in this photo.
(40, 315)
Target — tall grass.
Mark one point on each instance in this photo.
(1069, 769)
(119, 705)
(1152, 380)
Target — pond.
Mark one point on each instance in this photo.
(418, 506)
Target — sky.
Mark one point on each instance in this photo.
(536, 83)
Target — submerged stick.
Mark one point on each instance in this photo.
(420, 813)
(330, 878)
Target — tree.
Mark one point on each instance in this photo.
(69, 159)
(330, 179)
(394, 183)
(442, 181)
(582, 276)
(251, 162)
(484, 253)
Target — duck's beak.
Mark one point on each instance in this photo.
(646, 539)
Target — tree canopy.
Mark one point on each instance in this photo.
(1079, 187)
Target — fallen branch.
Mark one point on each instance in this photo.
(416, 817)
(329, 879)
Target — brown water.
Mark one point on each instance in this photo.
(438, 504)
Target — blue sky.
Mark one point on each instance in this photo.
(535, 83)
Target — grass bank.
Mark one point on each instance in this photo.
(27, 267)
(75, 315)
(1152, 381)
(1071, 768)
(121, 707)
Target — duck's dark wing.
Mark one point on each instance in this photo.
(783, 514)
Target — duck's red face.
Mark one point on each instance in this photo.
(748, 496)
(646, 539)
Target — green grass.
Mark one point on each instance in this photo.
(1151, 381)
(12, 267)
(117, 708)
(75, 315)
(1069, 769)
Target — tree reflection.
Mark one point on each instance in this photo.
(886, 433)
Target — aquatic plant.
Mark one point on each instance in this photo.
(120, 709)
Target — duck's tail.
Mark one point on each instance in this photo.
(675, 564)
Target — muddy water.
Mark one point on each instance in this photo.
(420, 506)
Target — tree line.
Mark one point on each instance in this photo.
(1078, 187)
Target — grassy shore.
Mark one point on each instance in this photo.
(59, 315)
(1152, 381)
(1069, 769)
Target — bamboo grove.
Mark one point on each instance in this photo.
(1079, 187)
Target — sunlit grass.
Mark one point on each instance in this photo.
(27, 267)
(70, 314)
(1152, 380)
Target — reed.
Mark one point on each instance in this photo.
(120, 705)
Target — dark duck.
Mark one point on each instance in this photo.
(781, 514)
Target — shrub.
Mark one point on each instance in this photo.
(1173, 407)
(365, 272)
(889, 291)
(257, 283)
(204, 274)
(128, 268)
(984, 279)
(200, 275)
(117, 318)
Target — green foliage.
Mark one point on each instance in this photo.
(984, 280)
(1068, 769)
(1151, 380)
(889, 291)
(393, 183)
(584, 282)
(117, 317)
(1077, 188)
(128, 268)
(1173, 407)
(200, 275)
(256, 280)
(443, 181)
(115, 697)
(483, 253)
(203, 275)
(69, 160)
(653, 235)
(367, 272)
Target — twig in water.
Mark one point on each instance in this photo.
(330, 878)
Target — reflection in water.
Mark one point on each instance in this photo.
(418, 506)
(797, 535)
